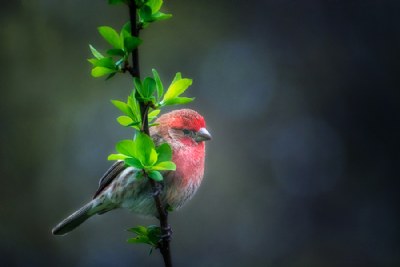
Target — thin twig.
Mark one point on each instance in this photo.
(134, 70)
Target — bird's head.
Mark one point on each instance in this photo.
(183, 127)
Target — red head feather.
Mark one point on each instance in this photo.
(183, 119)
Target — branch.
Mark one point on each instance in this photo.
(135, 32)
(164, 244)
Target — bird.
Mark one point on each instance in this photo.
(185, 131)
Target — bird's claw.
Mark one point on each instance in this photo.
(166, 233)
(156, 193)
(157, 189)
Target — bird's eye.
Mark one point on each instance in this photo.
(186, 132)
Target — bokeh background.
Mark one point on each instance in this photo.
(302, 99)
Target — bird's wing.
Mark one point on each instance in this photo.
(109, 176)
(117, 168)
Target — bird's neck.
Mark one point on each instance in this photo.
(189, 162)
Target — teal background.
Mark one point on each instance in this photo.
(301, 97)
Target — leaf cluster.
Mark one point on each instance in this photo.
(131, 111)
(151, 90)
(146, 235)
(123, 43)
(149, 11)
(142, 154)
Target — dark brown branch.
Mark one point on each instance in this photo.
(164, 244)
(135, 32)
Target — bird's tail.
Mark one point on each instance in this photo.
(74, 220)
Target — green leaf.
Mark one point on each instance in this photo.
(124, 33)
(125, 121)
(152, 115)
(164, 152)
(178, 76)
(116, 52)
(139, 230)
(134, 162)
(117, 157)
(138, 86)
(147, 235)
(155, 5)
(123, 107)
(152, 158)
(145, 14)
(93, 61)
(164, 166)
(143, 148)
(160, 16)
(156, 176)
(139, 240)
(177, 88)
(105, 62)
(149, 86)
(150, 12)
(178, 101)
(159, 85)
(126, 29)
(131, 42)
(95, 53)
(111, 36)
(154, 234)
(126, 147)
(134, 106)
(101, 71)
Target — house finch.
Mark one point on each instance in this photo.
(184, 130)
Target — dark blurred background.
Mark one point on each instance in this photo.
(302, 99)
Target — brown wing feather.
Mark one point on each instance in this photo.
(109, 176)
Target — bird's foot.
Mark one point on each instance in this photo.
(166, 233)
(157, 190)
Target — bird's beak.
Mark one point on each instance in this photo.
(202, 135)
